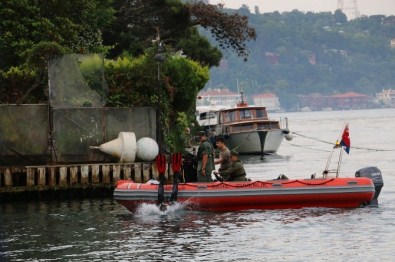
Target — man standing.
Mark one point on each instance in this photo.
(205, 157)
(235, 172)
(224, 154)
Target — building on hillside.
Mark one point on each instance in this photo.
(386, 97)
(350, 100)
(268, 100)
(221, 97)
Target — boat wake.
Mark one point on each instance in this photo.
(152, 209)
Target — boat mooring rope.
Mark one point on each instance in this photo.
(333, 144)
(259, 183)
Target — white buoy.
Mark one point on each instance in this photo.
(124, 147)
(147, 149)
(289, 137)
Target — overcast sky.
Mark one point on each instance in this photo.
(365, 7)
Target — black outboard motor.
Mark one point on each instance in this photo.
(375, 174)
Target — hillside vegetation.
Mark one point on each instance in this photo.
(301, 53)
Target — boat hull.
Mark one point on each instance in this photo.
(256, 142)
(273, 194)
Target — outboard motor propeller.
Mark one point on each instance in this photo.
(375, 174)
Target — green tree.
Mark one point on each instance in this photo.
(75, 25)
(138, 22)
(32, 33)
(174, 94)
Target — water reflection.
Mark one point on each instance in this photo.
(103, 230)
(254, 159)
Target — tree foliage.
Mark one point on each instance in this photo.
(137, 24)
(134, 82)
(230, 30)
(71, 24)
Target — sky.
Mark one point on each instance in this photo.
(365, 7)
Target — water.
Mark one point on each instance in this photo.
(102, 230)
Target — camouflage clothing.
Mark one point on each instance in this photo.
(235, 172)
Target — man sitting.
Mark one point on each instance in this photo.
(224, 154)
(235, 172)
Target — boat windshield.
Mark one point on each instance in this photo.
(246, 113)
(230, 116)
(261, 113)
(207, 115)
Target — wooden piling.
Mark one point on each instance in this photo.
(84, 175)
(116, 172)
(146, 172)
(41, 176)
(63, 176)
(73, 175)
(30, 177)
(52, 177)
(127, 172)
(95, 174)
(8, 178)
(137, 173)
(106, 173)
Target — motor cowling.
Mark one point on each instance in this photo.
(375, 175)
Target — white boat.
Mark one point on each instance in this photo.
(247, 129)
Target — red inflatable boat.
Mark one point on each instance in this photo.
(358, 191)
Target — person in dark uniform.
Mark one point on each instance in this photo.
(235, 172)
(205, 156)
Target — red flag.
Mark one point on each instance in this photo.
(345, 142)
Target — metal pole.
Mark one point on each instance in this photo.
(159, 58)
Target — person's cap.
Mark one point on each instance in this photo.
(234, 153)
(201, 133)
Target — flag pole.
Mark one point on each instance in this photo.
(339, 162)
(326, 171)
(343, 143)
(336, 146)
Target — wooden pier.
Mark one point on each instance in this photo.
(100, 178)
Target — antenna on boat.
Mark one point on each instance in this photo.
(241, 91)
(242, 95)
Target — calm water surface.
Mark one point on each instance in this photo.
(102, 230)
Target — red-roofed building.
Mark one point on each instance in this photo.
(269, 100)
(222, 97)
(350, 100)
